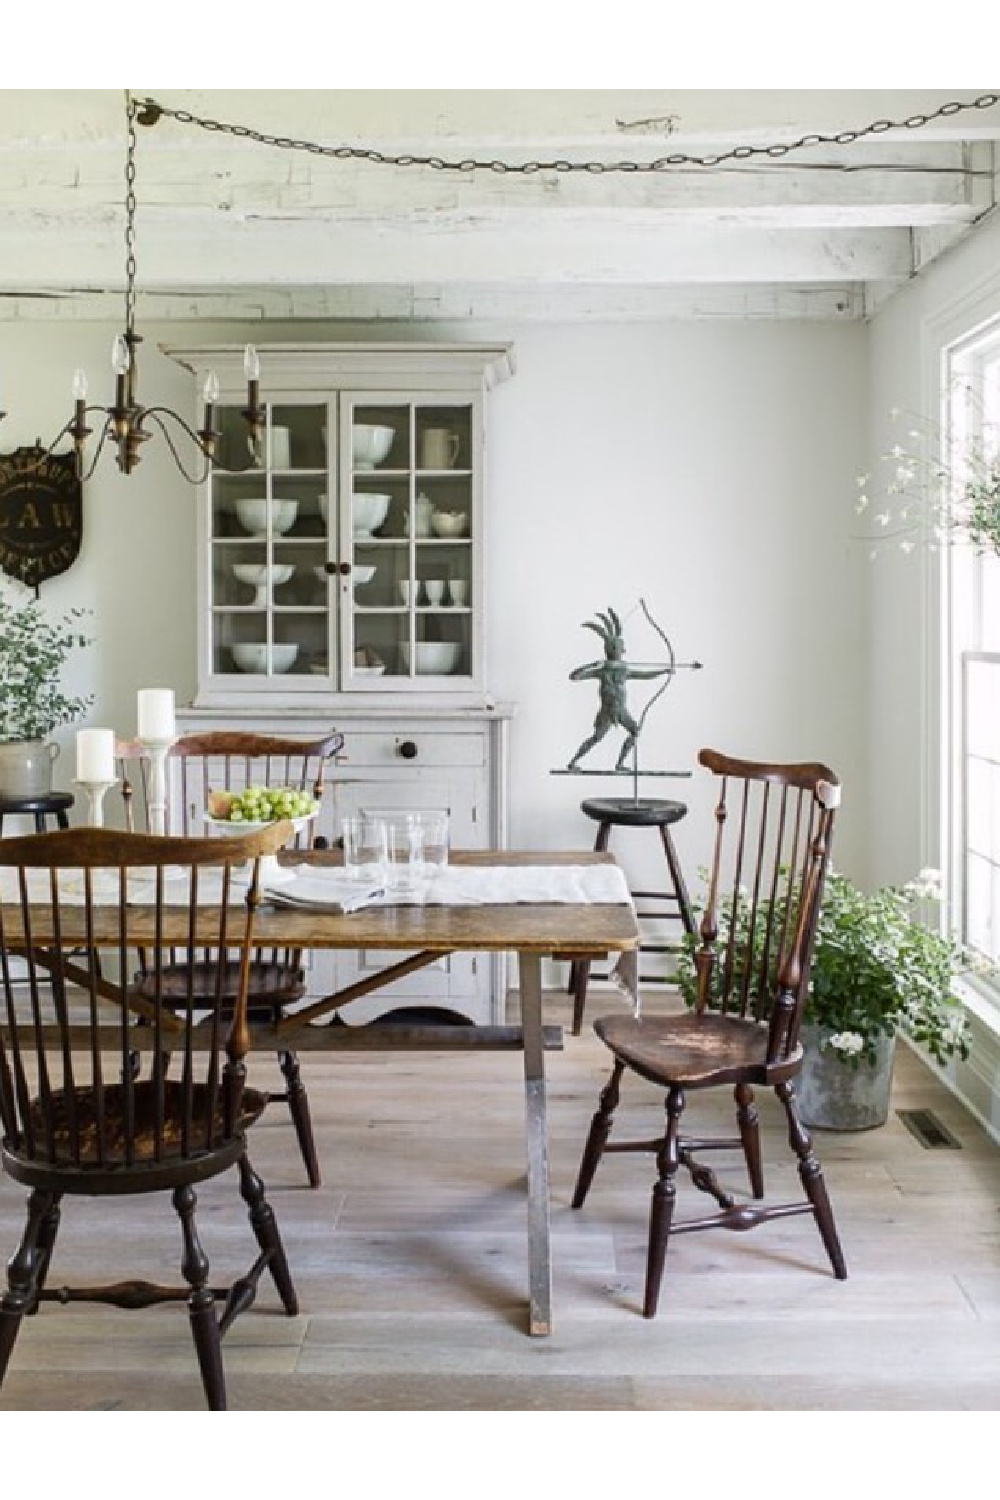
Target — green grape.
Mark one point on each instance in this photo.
(266, 805)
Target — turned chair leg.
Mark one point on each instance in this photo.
(265, 1227)
(47, 1232)
(298, 1104)
(600, 1129)
(201, 1302)
(746, 1116)
(664, 1198)
(25, 1270)
(811, 1174)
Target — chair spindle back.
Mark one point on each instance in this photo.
(68, 1090)
(774, 825)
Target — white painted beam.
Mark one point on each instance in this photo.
(499, 304)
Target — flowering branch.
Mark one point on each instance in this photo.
(929, 494)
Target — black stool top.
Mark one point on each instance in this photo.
(37, 802)
(648, 812)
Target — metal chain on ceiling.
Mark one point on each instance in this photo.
(150, 111)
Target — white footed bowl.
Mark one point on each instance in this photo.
(258, 573)
(369, 444)
(368, 512)
(253, 515)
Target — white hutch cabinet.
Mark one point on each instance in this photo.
(341, 583)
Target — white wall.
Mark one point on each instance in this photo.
(707, 467)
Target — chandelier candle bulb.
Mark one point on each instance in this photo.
(156, 715)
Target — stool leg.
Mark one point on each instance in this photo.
(579, 970)
(39, 822)
(677, 876)
(62, 819)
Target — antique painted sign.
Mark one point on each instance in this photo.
(41, 514)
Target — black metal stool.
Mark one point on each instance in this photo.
(626, 812)
(40, 805)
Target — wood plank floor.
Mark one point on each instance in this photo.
(411, 1265)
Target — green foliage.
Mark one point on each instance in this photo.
(33, 652)
(876, 970)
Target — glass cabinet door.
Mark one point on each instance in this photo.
(273, 562)
(408, 511)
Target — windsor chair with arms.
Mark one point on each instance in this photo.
(229, 760)
(77, 1118)
(752, 960)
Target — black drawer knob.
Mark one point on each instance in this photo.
(408, 749)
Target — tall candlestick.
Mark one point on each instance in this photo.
(156, 715)
(95, 755)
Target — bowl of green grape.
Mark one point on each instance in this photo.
(255, 807)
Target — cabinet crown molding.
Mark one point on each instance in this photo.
(287, 366)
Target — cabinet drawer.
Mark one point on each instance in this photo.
(401, 748)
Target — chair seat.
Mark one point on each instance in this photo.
(112, 1131)
(271, 983)
(692, 1051)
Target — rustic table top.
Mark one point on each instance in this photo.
(526, 927)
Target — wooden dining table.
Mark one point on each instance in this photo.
(422, 934)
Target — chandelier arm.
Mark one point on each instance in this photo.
(86, 471)
(156, 415)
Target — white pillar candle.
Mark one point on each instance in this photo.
(95, 755)
(156, 715)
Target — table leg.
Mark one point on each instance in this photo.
(539, 1250)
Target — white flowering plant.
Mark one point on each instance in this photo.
(876, 969)
(934, 491)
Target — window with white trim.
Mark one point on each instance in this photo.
(972, 422)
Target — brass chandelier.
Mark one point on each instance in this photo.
(126, 422)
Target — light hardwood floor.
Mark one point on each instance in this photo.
(411, 1267)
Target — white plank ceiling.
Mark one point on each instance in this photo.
(228, 226)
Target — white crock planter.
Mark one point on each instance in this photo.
(26, 767)
(834, 1096)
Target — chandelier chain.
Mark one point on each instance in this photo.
(130, 109)
(153, 109)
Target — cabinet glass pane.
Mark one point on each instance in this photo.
(270, 547)
(411, 516)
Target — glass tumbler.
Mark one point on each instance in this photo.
(366, 854)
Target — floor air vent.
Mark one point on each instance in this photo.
(928, 1130)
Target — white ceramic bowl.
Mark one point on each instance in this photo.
(368, 512)
(253, 515)
(449, 522)
(259, 574)
(432, 656)
(362, 573)
(233, 830)
(369, 444)
(251, 656)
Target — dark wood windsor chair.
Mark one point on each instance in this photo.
(774, 824)
(229, 760)
(77, 1118)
